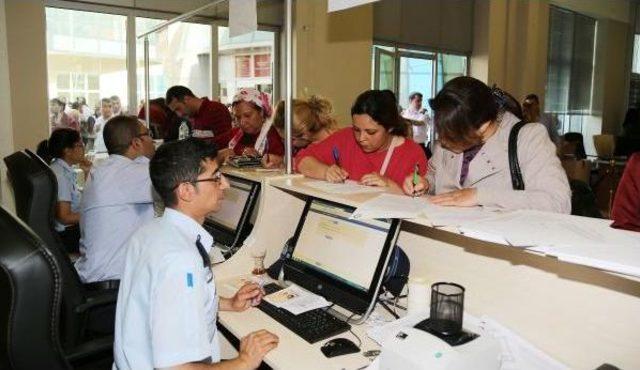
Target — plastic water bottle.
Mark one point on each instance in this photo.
(183, 131)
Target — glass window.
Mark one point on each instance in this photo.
(86, 55)
(245, 61)
(416, 75)
(569, 86)
(262, 65)
(178, 55)
(243, 66)
(450, 66)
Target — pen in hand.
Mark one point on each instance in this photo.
(416, 179)
(336, 157)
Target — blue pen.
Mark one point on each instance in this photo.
(336, 155)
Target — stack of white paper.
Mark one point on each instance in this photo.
(296, 300)
(390, 206)
(347, 187)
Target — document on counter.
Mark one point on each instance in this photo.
(347, 187)
(296, 300)
(390, 206)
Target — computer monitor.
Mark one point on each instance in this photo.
(338, 258)
(231, 224)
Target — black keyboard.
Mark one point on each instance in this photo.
(312, 326)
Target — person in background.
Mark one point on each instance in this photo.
(532, 113)
(162, 117)
(167, 302)
(420, 121)
(63, 150)
(106, 112)
(373, 151)
(255, 134)
(572, 146)
(116, 105)
(117, 199)
(210, 120)
(626, 204)
(470, 164)
(60, 119)
(312, 118)
(84, 109)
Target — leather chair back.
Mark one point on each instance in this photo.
(30, 294)
(35, 190)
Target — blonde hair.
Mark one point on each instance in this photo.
(313, 115)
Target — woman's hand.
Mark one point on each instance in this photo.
(250, 151)
(85, 165)
(223, 155)
(416, 190)
(272, 161)
(374, 179)
(459, 198)
(336, 173)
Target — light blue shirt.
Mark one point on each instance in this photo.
(67, 187)
(167, 303)
(117, 200)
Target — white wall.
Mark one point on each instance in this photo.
(6, 128)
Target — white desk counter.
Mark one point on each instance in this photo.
(579, 315)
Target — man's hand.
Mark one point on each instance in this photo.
(223, 155)
(374, 179)
(255, 346)
(248, 295)
(459, 198)
(336, 173)
(416, 190)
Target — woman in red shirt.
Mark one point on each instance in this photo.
(626, 205)
(254, 134)
(373, 150)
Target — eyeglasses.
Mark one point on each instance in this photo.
(215, 178)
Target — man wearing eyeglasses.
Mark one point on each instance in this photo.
(167, 303)
(116, 201)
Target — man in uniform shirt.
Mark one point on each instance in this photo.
(117, 199)
(167, 303)
(420, 121)
(210, 120)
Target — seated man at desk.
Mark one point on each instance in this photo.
(373, 151)
(167, 303)
(116, 200)
(470, 164)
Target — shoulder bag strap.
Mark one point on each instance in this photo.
(514, 165)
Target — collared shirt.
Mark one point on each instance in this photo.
(212, 123)
(67, 187)
(167, 303)
(117, 199)
(99, 145)
(420, 132)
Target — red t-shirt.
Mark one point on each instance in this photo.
(212, 123)
(274, 146)
(358, 163)
(626, 204)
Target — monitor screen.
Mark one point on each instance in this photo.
(339, 258)
(233, 204)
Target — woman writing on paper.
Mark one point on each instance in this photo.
(254, 135)
(372, 151)
(470, 163)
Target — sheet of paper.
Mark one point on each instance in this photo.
(347, 187)
(441, 216)
(243, 17)
(296, 300)
(390, 206)
(336, 5)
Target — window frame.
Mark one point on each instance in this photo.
(131, 41)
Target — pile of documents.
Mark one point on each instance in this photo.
(296, 300)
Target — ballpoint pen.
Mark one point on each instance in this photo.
(416, 179)
(336, 155)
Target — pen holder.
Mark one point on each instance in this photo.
(447, 306)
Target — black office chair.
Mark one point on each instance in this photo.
(31, 291)
(88, 310)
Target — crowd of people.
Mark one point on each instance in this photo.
(483, 133)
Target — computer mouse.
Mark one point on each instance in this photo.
(339, 347)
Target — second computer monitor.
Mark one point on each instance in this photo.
(340, 258)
